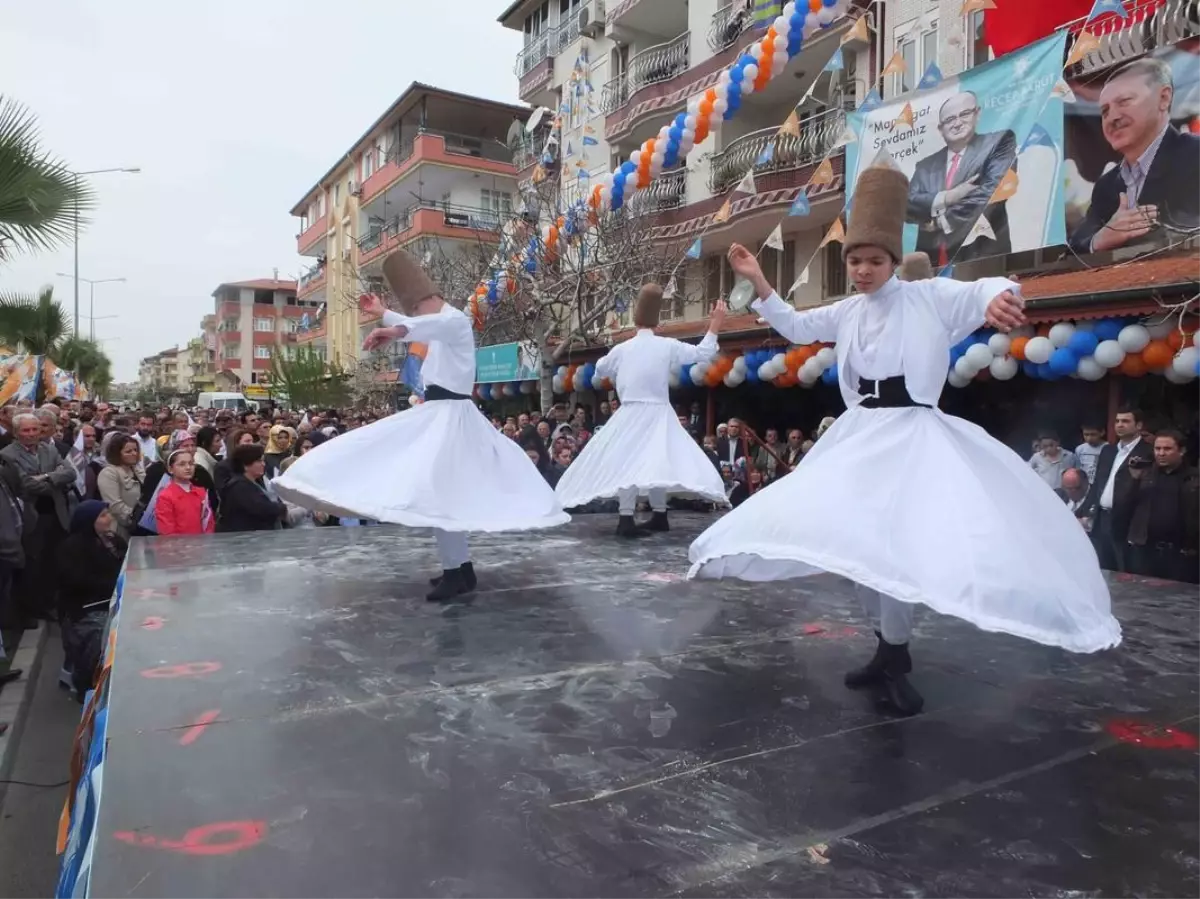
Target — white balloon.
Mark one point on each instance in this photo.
(1109, 354)
(1175, 377)
(1090, 370)
(789, 9)
(739, 364)
(636, 158)
(719, 107)
(1184, 363)
(1133, 338)
(1038, 350)
(954, 379)
(781, 43)
(724, 77)
(964, 369)
(765, 373)
(826, 15)
(1060, 334)
(999, 344)
(1160, 330)
(1004, 368)
(751, 72)
(779, 62)
(826, 357)
(701, 367)
(810, 26)
(779, 360)
(783, 26)
(561, 372)
(756, 50)
(697, 375)
(689, 122)
(979, 355)
(693, 109)
(748, 84)
(811, 370)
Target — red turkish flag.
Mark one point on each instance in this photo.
(1016, 23)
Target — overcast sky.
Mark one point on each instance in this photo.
(232, 109)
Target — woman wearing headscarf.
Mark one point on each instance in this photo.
(89, 562)
(279, 447)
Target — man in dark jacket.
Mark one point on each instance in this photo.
(1106, 507)
(1164, 523)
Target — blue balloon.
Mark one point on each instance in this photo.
(1063, 361)
(830, 3)
(830, 375)
(1198, 368)
(628, 168)
(616, 202)
(685, 372)
(1030, 369)
(531, 265)
(733, 104)
(485, 391)
(671, 156)
(751, 374)
(797, 23)
(1083, 343)
(1107, 329)
(737, 73)
(1046, 373)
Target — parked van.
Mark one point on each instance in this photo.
(233, 401)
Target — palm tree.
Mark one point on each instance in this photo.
(39, 326)
(40, 199)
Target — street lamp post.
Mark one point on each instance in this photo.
(91, 298)
(76, 175)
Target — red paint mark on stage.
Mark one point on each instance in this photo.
(662, 578)
(193, 731)
(189, 669)
(153, 623)
(825, 632)
(221, 838)
(1152, 736)
(812, 629)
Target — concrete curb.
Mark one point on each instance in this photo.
(16, 698)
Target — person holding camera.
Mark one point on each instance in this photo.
(1104, 506)
(1164, 519)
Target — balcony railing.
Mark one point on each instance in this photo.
(817, 135)
(456, 144)
(727, 25)
(454, 216)
(1147, 26)
(651, 66)
(313, 274)
(667, 191)
(557, 39)
(537, 50)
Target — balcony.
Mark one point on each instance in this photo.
(651, 66)
(311, 240)
(229, 336)
(817, 135)
(1151, 24)
(311, 281)
(444, 220)
(667, 191)
(445, 147)
(727, 25)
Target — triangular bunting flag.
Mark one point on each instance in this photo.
(800, 205)
(1085, 43)
(1007, 187)
(895, 65)
(836, 62)
(767, 156)
(947, 272)
(721, 216)
(871, 101)
(835, 234)
(539, 174)
(976, 5)
(982, 228)
(569, 152)
(800, 282)
(584, 174)
(823, 174)
(906, 117)
(847, 137)
(1116, 7)
(589, 141)
(857, 32)
(669, 290)
(791, 125)
(775, 238)
(1063, 91)
(588, 129)
(1038, 137)
(932, 78)
(693, 252)
(746, 185)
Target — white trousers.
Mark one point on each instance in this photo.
(893, 617)
(627, 500)
(452, 548)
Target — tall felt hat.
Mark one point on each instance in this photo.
(915, 267)
(648, 306)
(407, 281)
(877, 215)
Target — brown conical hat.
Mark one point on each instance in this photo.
(877, 213)
(915, 267)
(407, 280)
(648, 306)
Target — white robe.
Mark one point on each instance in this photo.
(439, 464)
(911, 502)
(643, 446)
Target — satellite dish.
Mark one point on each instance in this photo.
(535, 119)
(516, 134)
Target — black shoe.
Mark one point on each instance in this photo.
(626, 527)
(658, 522)
(10, 675)
(453, 584)
(870, 673)
(468, 571)
(899, 695)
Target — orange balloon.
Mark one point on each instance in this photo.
(1157, 354)
(1017, 348)
(814, 6)
(807, 352)
(1175, 340)
(1133, 366)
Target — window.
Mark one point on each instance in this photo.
(978, 51)
(537, 22)
(262, 352)
(337, 194)
(917, 45)
(496, 203)
(231, 352)
(835, 271)
(264, 324)
(676, 307)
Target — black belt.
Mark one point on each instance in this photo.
(433, 393)
(890, 393)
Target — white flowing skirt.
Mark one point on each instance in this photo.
(440, 464)
(642, 446)
(925, 508)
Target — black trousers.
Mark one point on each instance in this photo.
(1108, 548)
(1165, 561)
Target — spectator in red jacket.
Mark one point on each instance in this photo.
(183, 506)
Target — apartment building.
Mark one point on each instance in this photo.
(202, 357)
(163, 373)
(252, 318)
(434, 171)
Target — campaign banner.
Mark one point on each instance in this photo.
(506, 362)
(1132, 168)
(983, 152)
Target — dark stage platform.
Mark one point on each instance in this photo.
(288, 717)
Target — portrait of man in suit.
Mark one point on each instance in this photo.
(1157, 183)
(950, 189)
